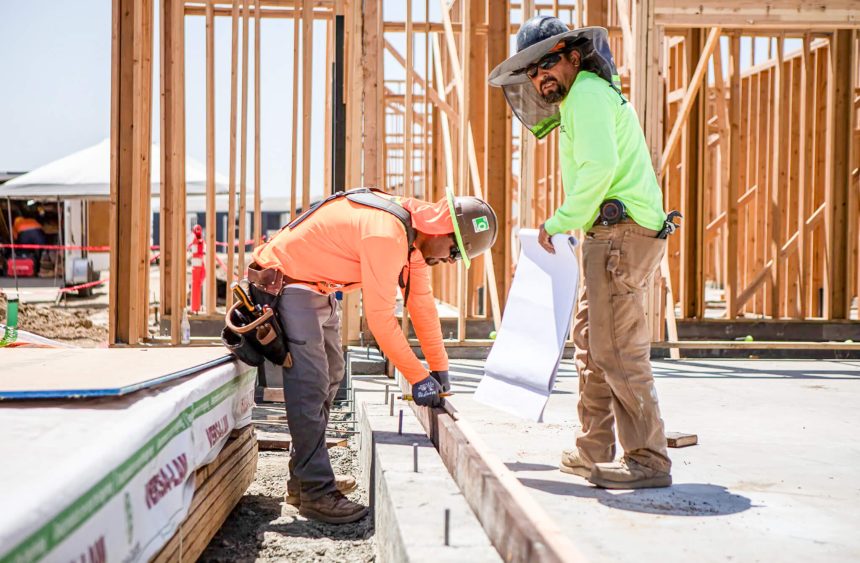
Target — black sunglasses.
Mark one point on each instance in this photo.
(546, 63)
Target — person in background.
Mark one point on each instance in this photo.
(28, 230)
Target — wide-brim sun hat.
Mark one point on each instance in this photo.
(539, 116)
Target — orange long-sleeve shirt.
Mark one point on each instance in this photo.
(349, 243)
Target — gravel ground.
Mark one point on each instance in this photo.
(263, 528)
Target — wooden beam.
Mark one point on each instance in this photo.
(372, 92)
(495, 494)
(731, 252)
(172, 200)
(498, 141)
(751, 289)
(408, 186)
(211, 249)
(294, 123)
(687, 103)
(258, 212)
(462, 74)
(692, 235)
(266, 13)
(806, 143)
(842, 72)
(780, 164)
(307, 99)
(131, 119)
(751, 14)
(243, 151)
(231, 205)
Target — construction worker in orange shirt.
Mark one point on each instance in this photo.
(358, 239)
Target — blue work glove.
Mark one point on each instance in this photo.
(442, 378)
(426, 393)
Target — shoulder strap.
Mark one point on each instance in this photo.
(369, 198)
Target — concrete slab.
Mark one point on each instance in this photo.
(409, 507)
(773, 476)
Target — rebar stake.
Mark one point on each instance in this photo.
(447, 526)
(415, 457)
(386, 393)
(391, 407)
(400, 423)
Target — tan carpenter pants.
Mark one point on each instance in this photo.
(613, 346)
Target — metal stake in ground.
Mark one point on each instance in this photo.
(415, 457)
(391, 407)
(386, 394)
(400, 423)
(447, 526)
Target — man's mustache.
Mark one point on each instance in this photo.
(546, 80)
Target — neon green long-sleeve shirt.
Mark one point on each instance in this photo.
(603, 156)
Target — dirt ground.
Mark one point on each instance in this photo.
(79, 325)
(263, 528)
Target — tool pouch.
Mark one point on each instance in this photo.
(263, 335)
(242, 347)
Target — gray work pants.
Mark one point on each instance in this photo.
(312, 325)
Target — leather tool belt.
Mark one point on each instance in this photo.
(267, 280)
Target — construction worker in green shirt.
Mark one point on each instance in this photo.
(567, 78)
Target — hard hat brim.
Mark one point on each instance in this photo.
(449, 195)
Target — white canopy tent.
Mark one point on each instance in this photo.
(86, 175)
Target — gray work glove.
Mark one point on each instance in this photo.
(442, 378)
(426, 393)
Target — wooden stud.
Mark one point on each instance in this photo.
(211, 248)
(307, 100)
(840, 123)
(231, 205)
(372, 92)
(778, 178)
(258, 212)
(734, 176)
(294, 123)
(172, 199)
(131, 118)
(243, 150)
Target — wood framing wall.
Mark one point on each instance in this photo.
(762, 162)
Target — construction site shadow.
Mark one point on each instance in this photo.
(685, 499)
(749, 371)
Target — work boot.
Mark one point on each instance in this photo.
(628, 474)
(344, 483)
(333, 508)
(573, 463)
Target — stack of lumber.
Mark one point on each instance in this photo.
(218, 488)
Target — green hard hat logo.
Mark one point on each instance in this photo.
(480, 224)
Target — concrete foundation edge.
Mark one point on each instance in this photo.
(408, 507)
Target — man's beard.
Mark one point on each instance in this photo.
(556, 95)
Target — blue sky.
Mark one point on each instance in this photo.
(55, 96)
